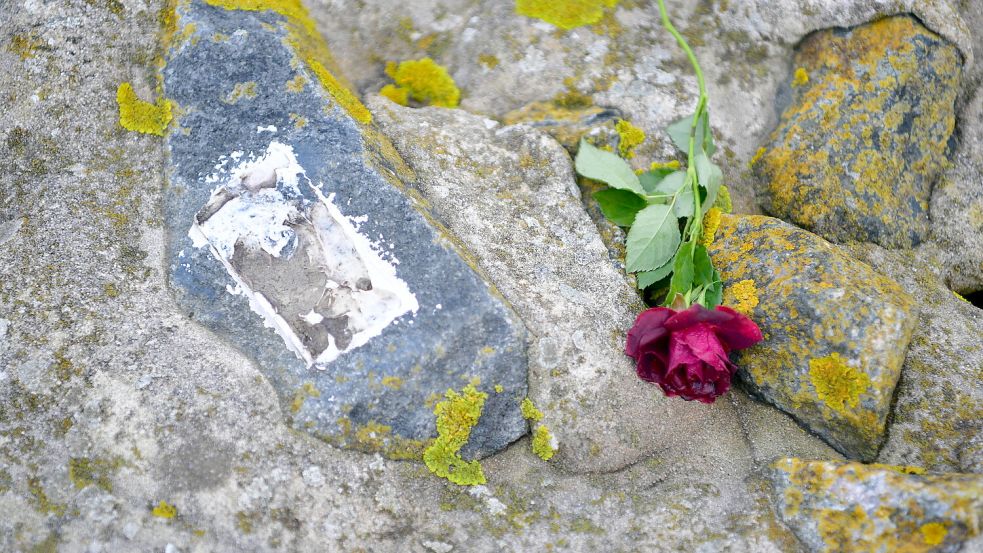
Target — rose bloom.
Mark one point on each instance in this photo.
(685, 352)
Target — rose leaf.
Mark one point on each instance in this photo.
(606, 167)
(652, 240)
(620, 206)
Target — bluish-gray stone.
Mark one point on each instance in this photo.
(303, 218)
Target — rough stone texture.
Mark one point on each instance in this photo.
(378, 396)
(98, 364)
(626, 62)
(863, 133)
(938, 412)
(957, 207)
(850, 507)
(509, 193)
(835, 331)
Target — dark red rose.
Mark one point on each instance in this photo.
(685, 352)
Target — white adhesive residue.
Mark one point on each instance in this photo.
(258, 206)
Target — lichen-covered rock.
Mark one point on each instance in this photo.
(852, 508)
(835, 331)
(957, 206)
(864, 133)
(292, 234)
(938, 411)
(510, 194)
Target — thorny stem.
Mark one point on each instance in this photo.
(695, 224)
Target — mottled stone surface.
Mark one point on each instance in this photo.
(851, 507)
(957, 206)
(938, 411)
(113, 400)
(863, 135)
(835, 331)
(509, 193)
(234, 75)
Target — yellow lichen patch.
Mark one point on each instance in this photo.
(305, 39)
(672, 164)
(164, 510)
(723, 201)
(24, 45)
(456, 416)
(801, 77)
(341, 94)
(903, 469)
(393, 382)
(296, 84)
(565, 14)
(246, 90)
(424, 81)
(711, 221)
(499, 388)
(137, 115)
(836, 383)
(397, 94)
(742, 296)
(629, 138)
(373, 436)
(543, 443)
(529, 411)
(304, 392)
(933, 533)
(858, 149)
(488, 60)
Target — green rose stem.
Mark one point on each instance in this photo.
(694, 227)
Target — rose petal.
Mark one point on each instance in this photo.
(649, 328)
(679, 352)
(703, 342)
(694, 315)
(651, 368)
(738, 332)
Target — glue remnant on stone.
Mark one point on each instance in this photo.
(302, 264)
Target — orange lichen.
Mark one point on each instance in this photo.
(933, 533)
(801, 77)
(742, 296)
(837, 383)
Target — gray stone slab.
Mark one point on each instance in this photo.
(301, 223)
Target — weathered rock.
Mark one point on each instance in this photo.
(938, 411)
(357, 307)
(510, 194)
(835, 331)
(957, 206)
(864, 133)
(851, 507)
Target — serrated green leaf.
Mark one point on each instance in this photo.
(702, 266)
(706, 137)
(648, 278)
(651, 179)
(676, 183)
(680, 131)
(715, 292)
(682, 271)
(620, 206)
(652, 240)
(710, 178)
(606, 167)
